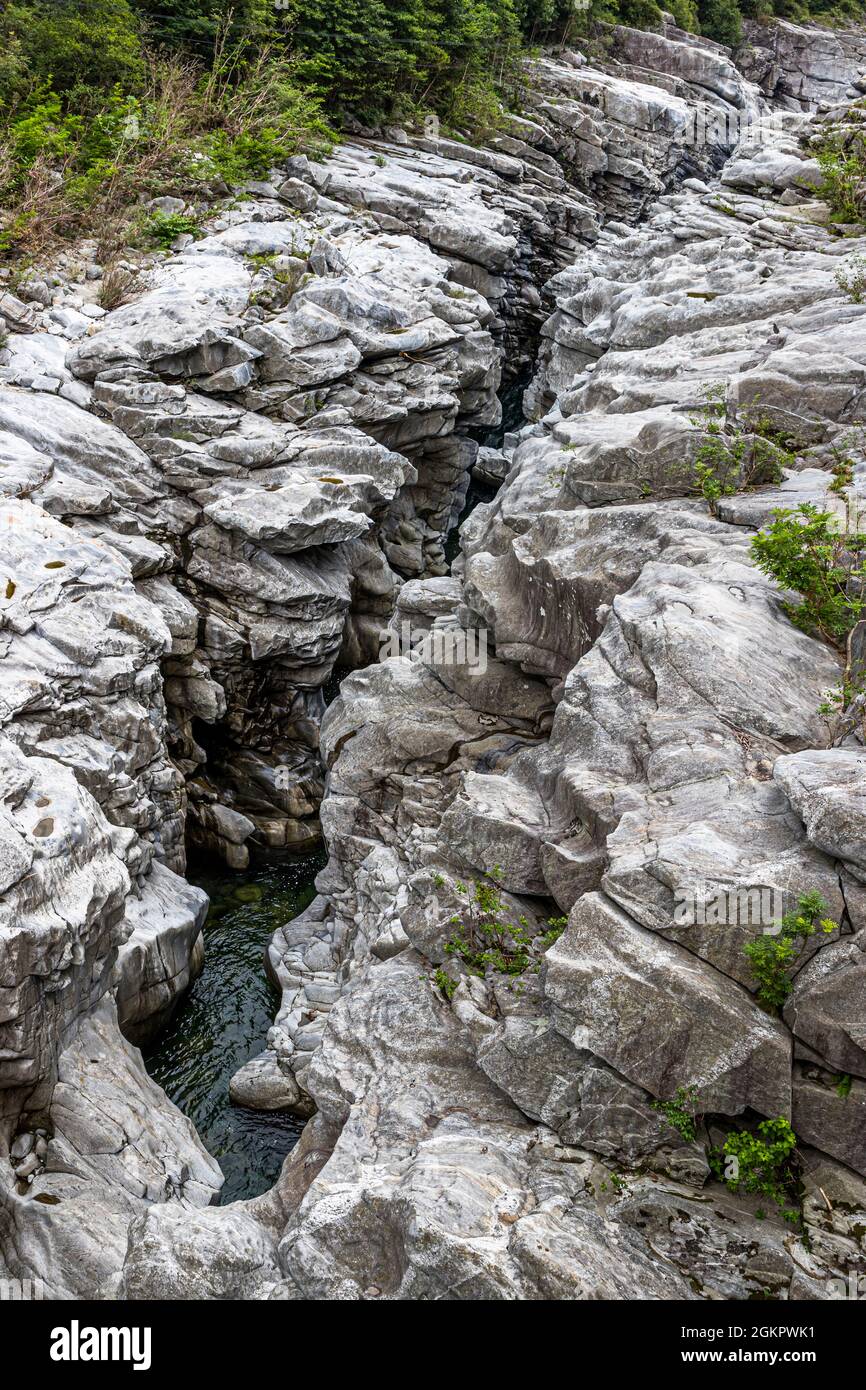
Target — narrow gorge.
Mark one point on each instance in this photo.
(453, 392)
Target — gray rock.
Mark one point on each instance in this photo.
(830, 1118)
(262, 1085)
(827, 787)
(608, 980)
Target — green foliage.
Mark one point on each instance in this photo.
(165, 227)
(736, 452)
(772, 957)
(198, 27)
(486, 939)
(453, 56)
(685, 13)
(259, 112)
(721, 20)
(804, 550)
(851, 279)
(841, 156)
(182, 129)
(80, 46)
(762, 1163)
(837, 700)
(445, 982)
(843, 1086)
(679, 1112)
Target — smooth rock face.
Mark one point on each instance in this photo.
(825, 1116)
(242, 481)
(800, 67)
(90, 819)
(825, 1008)
(608, 981)
(163, 955)
(827, 787)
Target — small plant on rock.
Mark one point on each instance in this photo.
(445, 982)
(841, 156)
(486, 939)
(165, 227)
(117, 286)
(736, 452)
(680, 1112)
(763, 1163)
(851, 279)
(772, 957)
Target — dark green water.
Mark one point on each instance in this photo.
(224, 1020)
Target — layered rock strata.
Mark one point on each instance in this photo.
(219, 494)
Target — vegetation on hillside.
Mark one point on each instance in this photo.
(840, 150)
(103, 100)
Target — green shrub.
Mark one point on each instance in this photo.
(721, 20)
(184, 128)
(804, 549)
(198, 27)
(685, 13)
(380, 58)
(772, 958)
(841, 156)
(679, 1112)
(762, 1163)
(166, 227)
(486, 939)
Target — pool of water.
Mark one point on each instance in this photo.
(224, 1020)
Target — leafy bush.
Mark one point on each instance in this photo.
(804, 549)
(259, 114)
(772, 957)
(166, 227)
(721, 20)
(762, 1163)
(679, 1112)
(80, 46)
(379, 58)
(685, 13)
(841, 155)
(484, 938)
(196, 27)
(183, 128)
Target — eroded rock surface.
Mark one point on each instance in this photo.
(220, 494)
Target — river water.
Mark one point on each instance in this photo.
(224, 1020)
